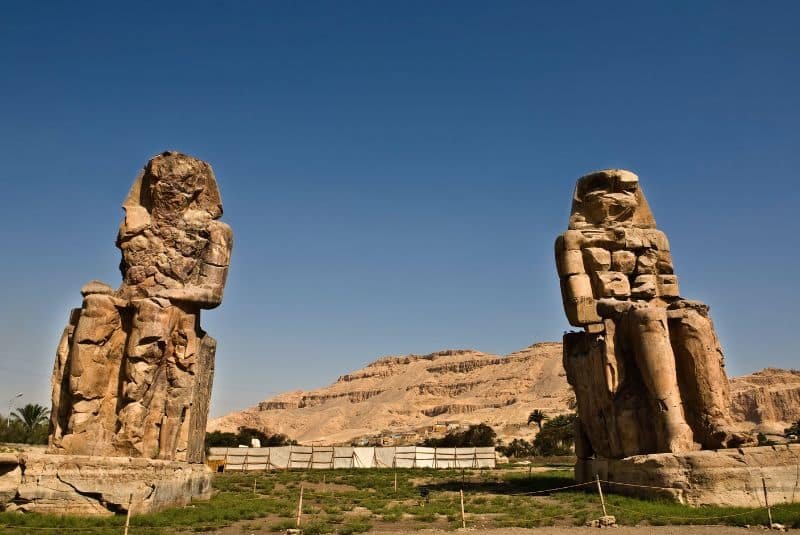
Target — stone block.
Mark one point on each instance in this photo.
(578, 286)
(581, 311)
(724, 478)
(623, 261)
(664, 262)
(611, 284)
(632, 238)
(569, 262)
(646, 263)
(579, 303)
(101, 486)
(596, 259)
(10, 477)
(656, 239)
(668, 286)
(573, 239)
(644, 287)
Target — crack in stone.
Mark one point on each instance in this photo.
(94, 496)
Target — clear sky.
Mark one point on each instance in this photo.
(396, 172)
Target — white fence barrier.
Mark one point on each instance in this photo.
(328, 457)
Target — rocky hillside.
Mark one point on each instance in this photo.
(412, 394)
(770, 399)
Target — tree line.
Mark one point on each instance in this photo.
(556, 437)
(244, 436)
(26, 425)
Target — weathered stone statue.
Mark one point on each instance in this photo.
(648, 368)
(133, 368)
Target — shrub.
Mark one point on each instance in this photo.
(557, 436)
(245, 436)
(479, 435)
(518, 448)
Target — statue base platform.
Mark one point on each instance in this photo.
(98, 486)
(730, 477)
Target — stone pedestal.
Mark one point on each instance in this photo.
(729, 477)
(96, 486)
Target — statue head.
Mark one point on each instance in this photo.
(173, 183)
(609, 198)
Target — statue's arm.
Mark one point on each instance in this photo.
(214, 265)
(576, 286)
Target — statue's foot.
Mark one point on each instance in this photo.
(720, 435)
(727, 439)
(680, 438)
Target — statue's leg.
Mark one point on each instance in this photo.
(181, 362)
(585, 363)
(701, 375)
(93, 366)
(145, 382)
(651, 345)
(59, 384)
(195, 428)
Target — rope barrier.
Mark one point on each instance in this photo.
(545, 491)
(637, 485)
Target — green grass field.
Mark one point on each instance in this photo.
(356, 501)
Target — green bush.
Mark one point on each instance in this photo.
(518, 448)
(479, 435)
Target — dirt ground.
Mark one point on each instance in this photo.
(623, 530)
(239, 529)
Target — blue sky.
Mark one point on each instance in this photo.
(395, 172)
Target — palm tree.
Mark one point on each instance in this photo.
(537, 417)
(31, 415)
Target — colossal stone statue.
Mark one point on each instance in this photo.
(133, 368)
(648, 369)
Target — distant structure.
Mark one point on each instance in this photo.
(133, 369)
(647, 369)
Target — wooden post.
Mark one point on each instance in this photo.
(395, 482)
(463, 522)
(530, 469)
(254, 485)
(300, 506)
(128, 516)
(600, 490)
(766, 501)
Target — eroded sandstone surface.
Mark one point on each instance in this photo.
(133, 369)
(769, 399)
(98, 486)
(647, 368)
(728, 477)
